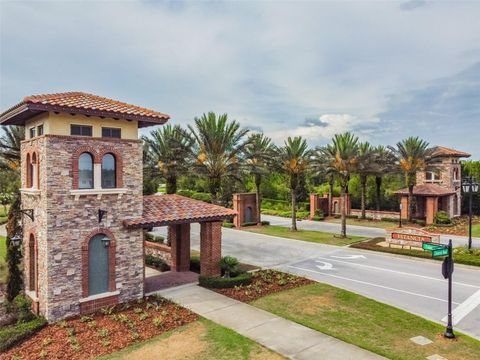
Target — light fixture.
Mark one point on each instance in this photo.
(16, 240)
(106, 241)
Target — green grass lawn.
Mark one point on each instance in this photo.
(366, 323)
(201, 340)
(460, 254)
(368, 223)
(3, 253)
(3, 215)
(305, 235)
(476, 230)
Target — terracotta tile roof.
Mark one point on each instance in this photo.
(79, 103)
(428, 190)
(444, 151)
(161, 210)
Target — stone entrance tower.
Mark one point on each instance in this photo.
(81, 167)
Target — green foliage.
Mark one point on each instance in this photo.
(441, 217)
(249, 224)
(9, 336)
(14, 254)
(228, 224)
(229, 265)
(157, 262)
(223, 283)
(195, 195)
(22, 307)
(195, 264)
(150, 186)
(154, 238)
(265, 223)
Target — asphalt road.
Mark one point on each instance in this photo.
(416, 286)
(357, 230)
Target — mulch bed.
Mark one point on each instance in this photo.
(104, 332)
(264, 282)
(459, 226)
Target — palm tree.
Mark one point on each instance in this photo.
(294, 161)
(219, 144)
(258, 154)
(365, 167)
(341, 158)
(167, 152)
(412, 155)
(10, 147)
(384, 164)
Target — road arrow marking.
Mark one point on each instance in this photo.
(348, 257)
(325, 266)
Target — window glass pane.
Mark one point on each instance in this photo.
(75, 130)
(108, 171)
(32, 132)
(86, 130)
(80, 130)
(40, 130)
(111, 132)
(85, 171)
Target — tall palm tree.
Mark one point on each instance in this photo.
(219, 144)
(341, 158)
(412, 155)
(258, 155)
(167, 153)
(294, 161)
(10, 147)
(384, 164)
(365, 167)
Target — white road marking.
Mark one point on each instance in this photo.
(464, 308)
(375, 285)
(347, 257)
(325, 266)
(398, 272)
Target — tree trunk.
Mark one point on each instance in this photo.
(363, 183)
(294, 210)
(171, 186)
(258, 180)
(343, 211)
(378, 191)
(410, 203)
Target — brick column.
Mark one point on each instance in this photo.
(210, 248)
(404, 212)
(180, 245)
(431, 209)
(313, 204)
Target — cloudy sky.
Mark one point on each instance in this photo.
(383, 69)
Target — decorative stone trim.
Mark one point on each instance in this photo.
(28, 191)
(111, 260)
(99, 192)
(91, 305)
(100, 296)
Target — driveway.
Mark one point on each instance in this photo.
(416, 286)
(357, 230)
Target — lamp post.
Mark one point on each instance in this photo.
(469, 185)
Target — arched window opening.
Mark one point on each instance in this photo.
(109, 170)
(98, 264)
(32, 274)
(29, 172)
(85, 171)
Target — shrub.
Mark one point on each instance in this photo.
(351, 216)
(249, 224)
(441, 217)
(186, 193)
(229, 264)
(265, 223)
(202, 197)
(223, 283)
(228, 224)
(22, 306)
(195, 264)
(12, 335)
(154, 238)
(156, 262)
(318, 218)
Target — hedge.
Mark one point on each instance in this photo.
(156, 262)
(195, 264)
(223, 283)
(154, 238)
(12, 335)
(228, 224)
(274, 204)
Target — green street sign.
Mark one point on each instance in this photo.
(440, 252)
(431, 246)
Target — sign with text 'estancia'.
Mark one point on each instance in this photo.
(411, 237)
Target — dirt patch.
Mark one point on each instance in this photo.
(264, 354)
(186, 344)
(312, 304)
(104, 332)
(264, 282)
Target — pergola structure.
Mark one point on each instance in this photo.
(178, 212)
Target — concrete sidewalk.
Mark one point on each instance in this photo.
(283, 336)
(3, 230)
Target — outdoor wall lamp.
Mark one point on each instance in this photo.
(29, 213)
(106, 241)
(16, 240)
(469, 186)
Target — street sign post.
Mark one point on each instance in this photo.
(447, 272)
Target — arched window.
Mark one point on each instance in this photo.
(34, 172)
(98, 264)
(85, 171)
(32, 264)
(109, 169)
(29, 172)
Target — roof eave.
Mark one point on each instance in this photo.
(148, 224)
(18, 115)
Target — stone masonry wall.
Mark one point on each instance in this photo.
(70, 221)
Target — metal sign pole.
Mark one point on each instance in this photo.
(449, 331)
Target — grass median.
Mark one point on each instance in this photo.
(3, 254)
(364, 322)
(305, 235)
(460, 254)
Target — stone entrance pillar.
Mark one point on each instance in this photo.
(210, 248)
(404, 212)
(179, 236)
